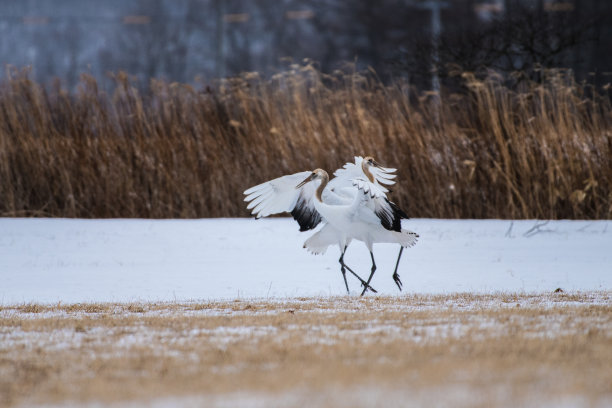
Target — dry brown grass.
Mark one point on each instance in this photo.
(448, 350)
(538, 150)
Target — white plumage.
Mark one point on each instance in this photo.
(353, 206)
(276, 196)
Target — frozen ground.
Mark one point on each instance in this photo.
(62, 260)
(457, 350)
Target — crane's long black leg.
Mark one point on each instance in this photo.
(371, 274)
(396, 276)
(341, 260)
(344, 267)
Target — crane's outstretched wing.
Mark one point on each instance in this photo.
(280, 195)
(382, 175)
(374, 200)
(375, 191)
(351, 180)
(341, 189)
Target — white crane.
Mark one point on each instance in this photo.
(353, 206)
(344, 184)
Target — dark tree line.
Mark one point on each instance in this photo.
(523, 39)
(181, 40)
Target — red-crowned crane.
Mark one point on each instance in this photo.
(353, 206)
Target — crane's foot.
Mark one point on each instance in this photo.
(348, 292)
(366, 286)
(398, 281)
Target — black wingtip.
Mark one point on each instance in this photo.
(393, 221)
(307, 218)
(398, 211)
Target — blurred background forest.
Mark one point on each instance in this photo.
(171, 108)
(180, 40)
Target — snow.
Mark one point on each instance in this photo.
(73, 260)
(452, 395)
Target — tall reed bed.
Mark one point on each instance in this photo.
(532, 150)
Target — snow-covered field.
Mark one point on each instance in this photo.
(234, 312)
(64, 260)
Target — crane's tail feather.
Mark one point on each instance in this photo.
(316, 250)
(408, 238)
(405, 238)
(322, 239)
(318, 244)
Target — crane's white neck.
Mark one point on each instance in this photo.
(324, 181)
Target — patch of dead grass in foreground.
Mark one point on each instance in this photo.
(454, 350)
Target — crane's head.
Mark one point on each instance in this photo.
(370, 162)
(367, 163)
(318, 174)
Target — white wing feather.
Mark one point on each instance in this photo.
(350, 171)
(373, 190)
(374, 202)
(278, 195)
(383, 176)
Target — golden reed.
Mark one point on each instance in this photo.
(533, 150)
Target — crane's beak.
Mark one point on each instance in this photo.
(383, 169)
(308, 179)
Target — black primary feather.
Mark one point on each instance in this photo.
(306, 216)
(392, 221)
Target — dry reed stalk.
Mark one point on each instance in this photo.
(535, 150)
